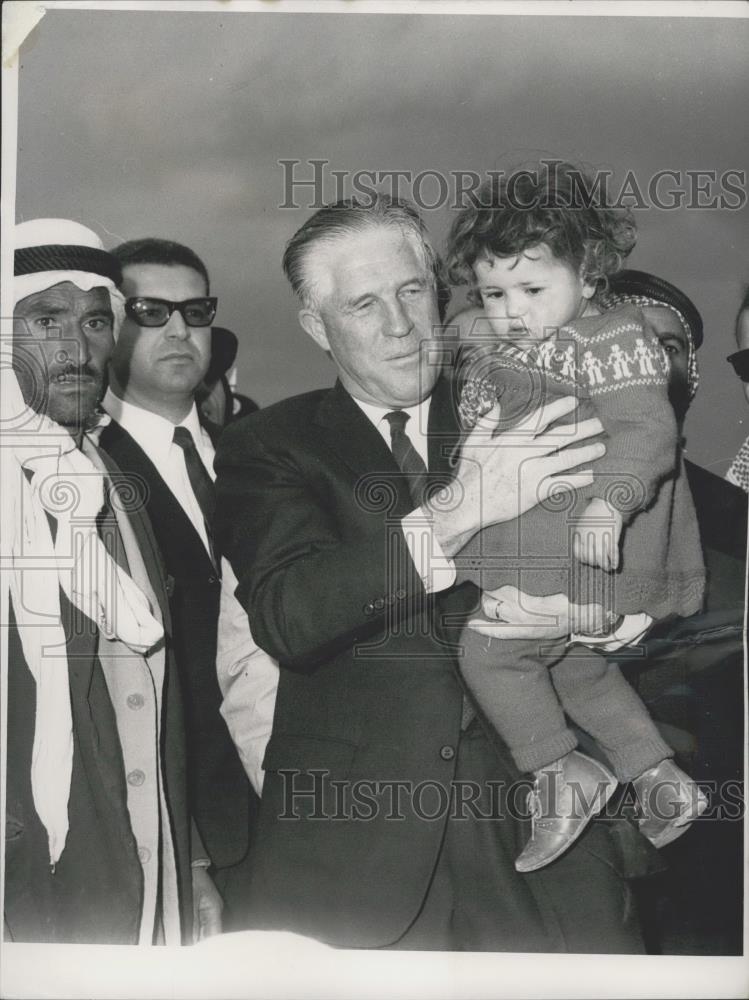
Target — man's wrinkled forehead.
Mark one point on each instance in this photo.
(59, 298)
(349, 262)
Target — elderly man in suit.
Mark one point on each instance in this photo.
(158, 363)
(98, 846)
(339, 511)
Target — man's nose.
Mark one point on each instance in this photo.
(399, 323)
(176, 328)
(75, 348)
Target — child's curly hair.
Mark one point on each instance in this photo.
(549, 202)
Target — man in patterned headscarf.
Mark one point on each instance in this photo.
(97, 835)
(721, 509)
(738, 473)
(691, 675)
(675, 320)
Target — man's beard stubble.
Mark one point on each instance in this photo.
(75, 411)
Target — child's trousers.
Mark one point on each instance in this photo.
(520, 692)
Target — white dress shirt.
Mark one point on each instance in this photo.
(437, 572)
(155, 435)
(248, 678)
(416, 426)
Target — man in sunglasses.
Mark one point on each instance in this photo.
(159, 362)
(738, 474)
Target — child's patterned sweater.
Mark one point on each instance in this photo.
(616, 367)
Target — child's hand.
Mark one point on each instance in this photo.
(596, 536)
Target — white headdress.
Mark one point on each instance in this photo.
(46, 476)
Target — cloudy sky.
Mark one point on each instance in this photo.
(173, 124)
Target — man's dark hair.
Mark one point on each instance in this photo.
(151, 250)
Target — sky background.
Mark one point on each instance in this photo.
(172, 125)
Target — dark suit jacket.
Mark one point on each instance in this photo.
(219, 789)
(309, 507)
(95, 894)
(722, 516)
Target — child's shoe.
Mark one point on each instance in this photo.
(668, 800)
(566, 795)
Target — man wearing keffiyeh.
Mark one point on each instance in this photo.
(98, 842)
(700, 657)
(738, 473)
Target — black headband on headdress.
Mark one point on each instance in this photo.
(66, 257)
(650, 285)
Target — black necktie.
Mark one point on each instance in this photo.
(412, 464)
(409, 460)
(201, 482)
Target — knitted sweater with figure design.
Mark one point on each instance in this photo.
(615, 366)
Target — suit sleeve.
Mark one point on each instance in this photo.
(642, 435)
(309, 591)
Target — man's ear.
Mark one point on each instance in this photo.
(312, 324)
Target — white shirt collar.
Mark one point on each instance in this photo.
(154, 433)
(416, 426)
(419, 414)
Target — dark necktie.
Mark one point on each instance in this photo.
(201, 482)
(409, 460)
(411, 463)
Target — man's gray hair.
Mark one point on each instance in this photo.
(356, 215)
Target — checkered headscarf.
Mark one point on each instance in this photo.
(642, 289)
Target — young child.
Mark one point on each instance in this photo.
(538, 254)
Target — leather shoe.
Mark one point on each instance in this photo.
(566, 795)
(668, 801)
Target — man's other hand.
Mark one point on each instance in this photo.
(512, 614)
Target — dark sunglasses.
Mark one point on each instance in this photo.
(146, 311)
(740, 362)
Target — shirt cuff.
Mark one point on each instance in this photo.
(437, 572)
(630, 631)
(201, 863)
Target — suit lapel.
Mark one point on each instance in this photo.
(143, 555)
(133, 460)
(351, 434)
(444, 429)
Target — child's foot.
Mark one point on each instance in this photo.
(566, 795)
(669, 800)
